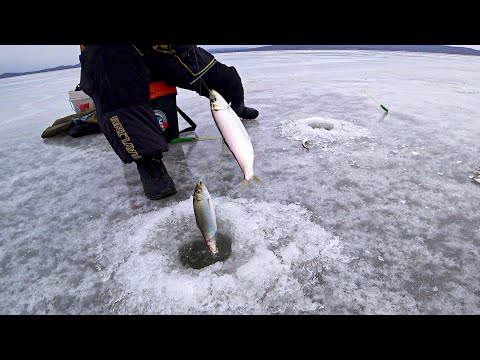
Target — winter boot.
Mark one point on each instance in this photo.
(248, 113)
(157, 184)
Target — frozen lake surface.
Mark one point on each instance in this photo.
(377, 216)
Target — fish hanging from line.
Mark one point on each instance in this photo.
(235, 136)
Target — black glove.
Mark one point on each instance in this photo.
(76, 125)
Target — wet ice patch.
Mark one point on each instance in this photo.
(277, 255)
(322, 130)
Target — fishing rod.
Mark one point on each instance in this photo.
(383, 107)
(194, 138)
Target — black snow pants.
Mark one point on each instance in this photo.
(117, 78)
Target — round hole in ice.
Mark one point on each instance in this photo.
(274, 257)
(196, 254)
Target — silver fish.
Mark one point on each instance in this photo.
(205, 216)
(235, 136)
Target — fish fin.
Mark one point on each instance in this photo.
(243, 185)
(258, 181)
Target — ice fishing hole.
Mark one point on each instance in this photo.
(197, 256)
(321, 125)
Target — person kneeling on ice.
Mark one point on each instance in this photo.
(118, 78)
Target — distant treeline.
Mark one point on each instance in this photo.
(445, 49)
(63, 67)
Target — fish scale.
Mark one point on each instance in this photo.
(236, 144)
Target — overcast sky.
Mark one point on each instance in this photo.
(20, 58)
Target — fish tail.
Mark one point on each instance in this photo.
(243, 185)
(257, 180)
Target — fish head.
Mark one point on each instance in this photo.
(200, 191)
(217, 102)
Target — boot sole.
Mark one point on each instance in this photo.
(159, 197)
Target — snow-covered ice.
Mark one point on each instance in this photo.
(360, 222)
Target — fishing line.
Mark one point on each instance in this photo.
(200, 77)
(198, 70)
(196, 139)
(383, 107)
(198, 66)
(204, 84)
